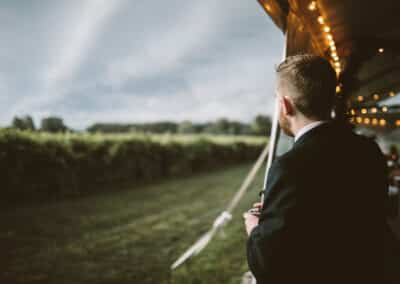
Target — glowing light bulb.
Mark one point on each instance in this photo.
(312, 6)
(327, 29)
(374, 121)
(382, 122)
(367, 120)
(381, 50)
(385, 109)
(321, 20)
(398, 122)
(360, 98)
(374, 110)
(364, 111)
(376, 97)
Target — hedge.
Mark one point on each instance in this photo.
(35, 167)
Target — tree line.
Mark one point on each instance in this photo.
(261, 125)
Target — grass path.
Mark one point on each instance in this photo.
(128, 236)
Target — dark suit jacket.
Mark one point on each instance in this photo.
(324, 214)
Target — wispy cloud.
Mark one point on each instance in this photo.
(121, 60)
(167, 49)
(79, 39)
(80, 36)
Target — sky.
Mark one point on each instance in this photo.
(91, 61)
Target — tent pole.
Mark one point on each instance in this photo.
(275, 130)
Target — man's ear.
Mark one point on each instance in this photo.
(287, 105)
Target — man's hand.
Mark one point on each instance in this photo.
(250, 222)
(258, 205)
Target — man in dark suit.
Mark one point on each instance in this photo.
(323, 214)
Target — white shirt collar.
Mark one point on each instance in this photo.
(307, 128)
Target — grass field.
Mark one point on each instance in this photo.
(128, 236)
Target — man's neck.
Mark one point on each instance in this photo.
(301, 123)
(307, 126)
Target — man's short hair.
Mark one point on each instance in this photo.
(313, 83)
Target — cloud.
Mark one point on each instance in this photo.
(168, 48)
(138, 60)
(81, 31)
(79, 39)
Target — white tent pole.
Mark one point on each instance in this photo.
(275, 131)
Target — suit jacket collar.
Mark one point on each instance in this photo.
(320, 129)
(307, 128)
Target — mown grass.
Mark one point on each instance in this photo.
(129, 236)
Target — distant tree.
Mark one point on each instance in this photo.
(186, 127)
(53, 124)
(222, 126)
(29, 122)
(239, 128)
(154, 127)
(262, 125)
(110, 128)
(18, 123)
(23, 123)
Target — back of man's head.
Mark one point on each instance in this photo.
(311, 83)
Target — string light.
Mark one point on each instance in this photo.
(360, 98)
(385, 109)
(312, 6)
(381, 50)
(372, 121)
(325, 28)
(353, 112)
(376, 97)
(364, 111)
(392, 94)
(267, 7)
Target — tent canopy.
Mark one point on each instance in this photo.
(362, 41)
